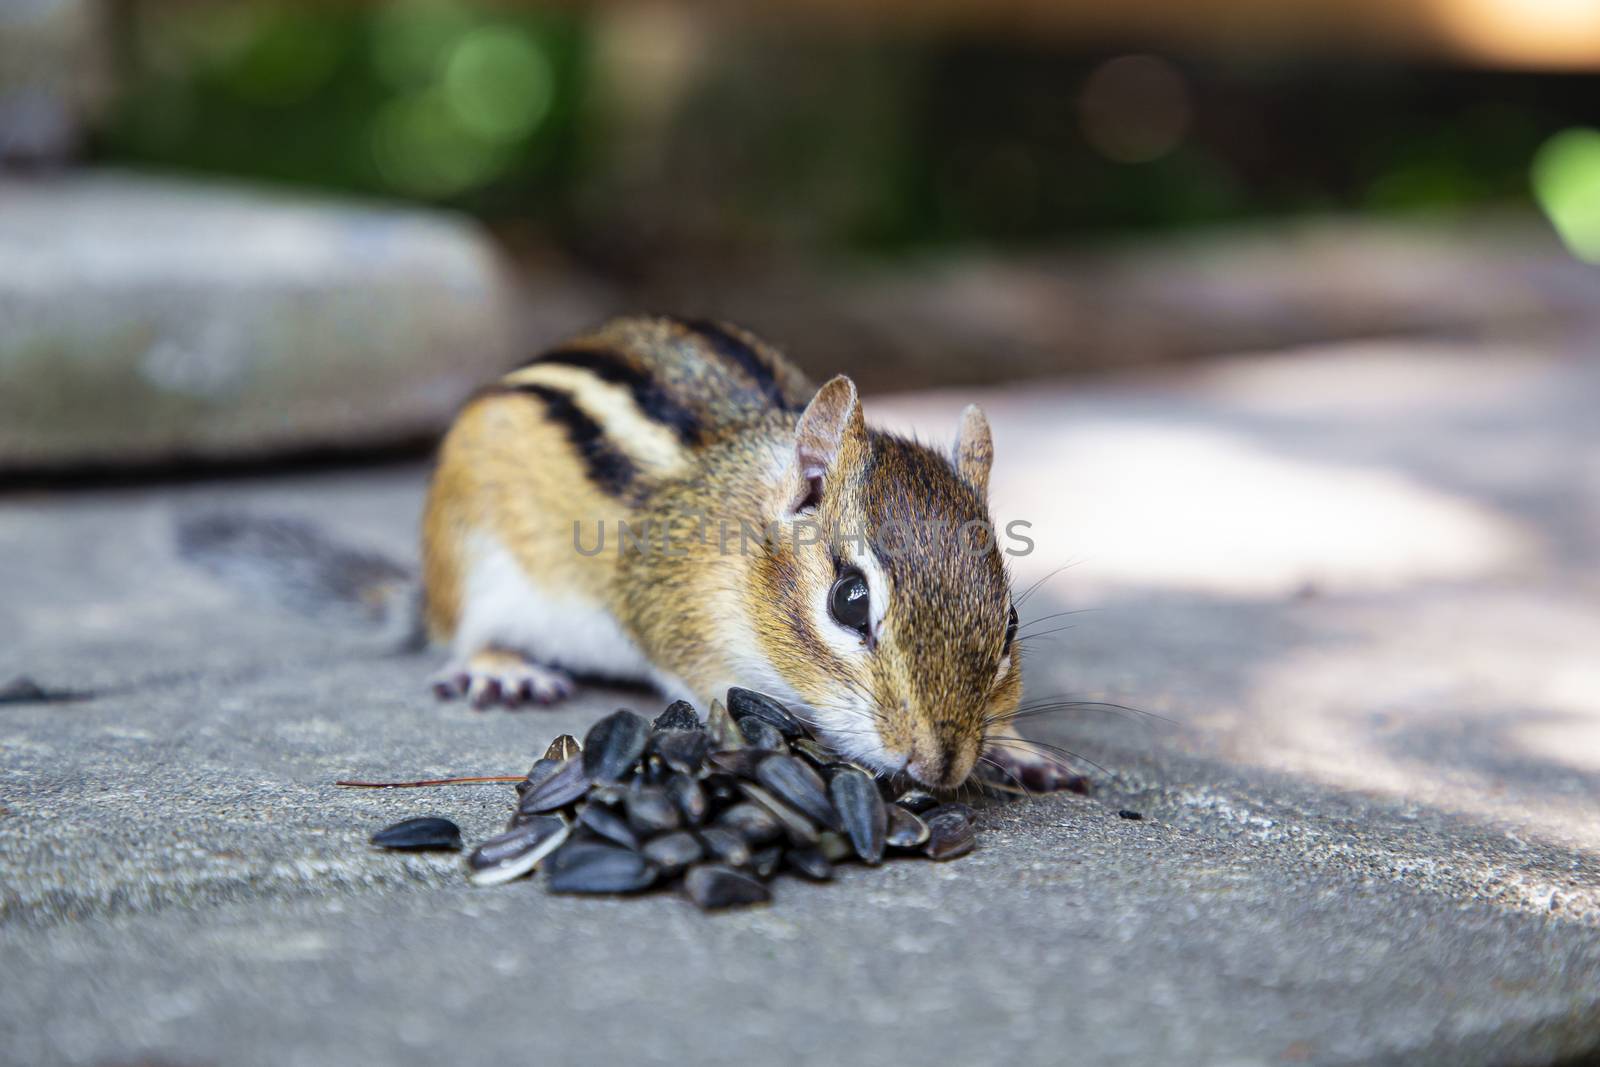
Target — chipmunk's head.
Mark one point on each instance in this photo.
(887, 606)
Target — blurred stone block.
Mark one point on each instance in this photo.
(54, 74)
(969, 318)
(150, 320)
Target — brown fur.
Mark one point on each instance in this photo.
(701, 420)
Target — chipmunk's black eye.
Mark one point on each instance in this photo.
(1011, 631)
(849, 603)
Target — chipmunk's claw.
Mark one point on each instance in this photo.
(1035, 772)
(449, 683)
(501, 678)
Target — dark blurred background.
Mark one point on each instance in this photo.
(629, 135)
(919, 193)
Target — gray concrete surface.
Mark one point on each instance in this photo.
(1372, 803)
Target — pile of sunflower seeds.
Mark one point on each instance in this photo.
(719, 808)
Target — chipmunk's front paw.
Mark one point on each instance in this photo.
(505, 678)
(1032, 772)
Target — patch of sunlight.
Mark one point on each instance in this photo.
(1208, 511)
(1139, 504)
(1482, 702)
(1382, 381)
(1531, 33)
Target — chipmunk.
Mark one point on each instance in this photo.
(699, 433)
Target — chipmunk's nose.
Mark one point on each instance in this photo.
(942, 761)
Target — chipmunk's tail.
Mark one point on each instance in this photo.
(296, 565)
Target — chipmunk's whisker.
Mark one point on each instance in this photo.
(1055, 615)
(1004, 742)
(1019, 601)
(997, 765)
(1032, 711)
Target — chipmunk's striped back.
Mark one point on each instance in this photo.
(638, 392)
(583, 437)
(678, 437)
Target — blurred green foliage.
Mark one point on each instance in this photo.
(1566, 178)
(423, 98)
(780, 136)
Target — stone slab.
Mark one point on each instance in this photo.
(1369, 827)
(146, 319)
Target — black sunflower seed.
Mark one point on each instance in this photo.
(725, 805)
(608, 824)
(610, 796)
(682, 750)
(417, 835)
(835, 848)
(726, 845)
(762, 734)
(680, 715)
(719, 724)
(765, 864)
(517, 851)
(721, 789)
(592, 867)
(950, 832)
(650, 812)
(565, 784)
(740, 762)
(819, 755)
(614, 744)
(916, 801)
(826, 759)
(799, 829)
(563, 747)
(673, 852)
(954, 808)
(1129, 813)
(542, 768)
(861, 811)
(711, 887)
(654, 772)
(752, 822)
(794, 782)
(746, 703)
(906, 829)
(689, 797)
(810, 863)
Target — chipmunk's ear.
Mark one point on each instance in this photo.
(831, 427)
(973, 451)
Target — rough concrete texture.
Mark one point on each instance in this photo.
(1358, 586)
(146, 319)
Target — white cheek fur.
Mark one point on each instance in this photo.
(849, 720)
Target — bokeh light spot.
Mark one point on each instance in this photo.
(498, 83)
(1134, 109)
(420, 148)
(412, 38)
(1566, 181)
